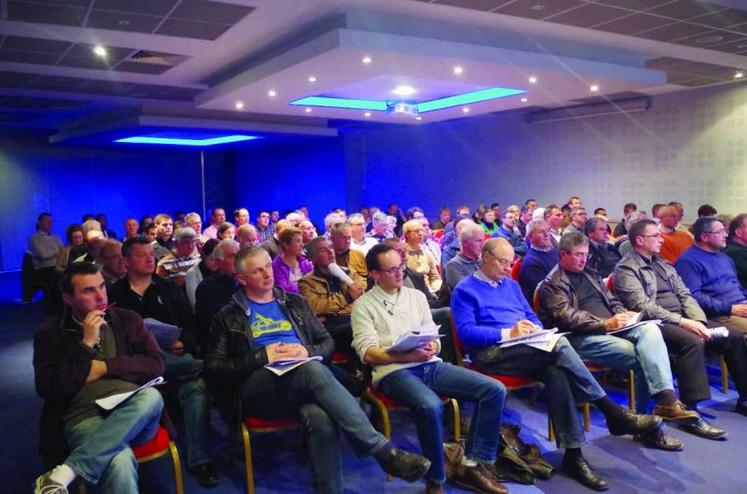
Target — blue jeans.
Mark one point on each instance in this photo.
(100, 446)
(641, 349)
(324, 406)
(186, 372)
(419, 388)
(567, 382)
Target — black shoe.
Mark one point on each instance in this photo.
(704, 429)
(579, 469)
(632, 423)
(404, 465)
(205, 474)
(659, 440)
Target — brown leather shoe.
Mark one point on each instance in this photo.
(478, 480)
(677, 413)
(431, 488)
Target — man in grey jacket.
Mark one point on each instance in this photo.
(645, 283)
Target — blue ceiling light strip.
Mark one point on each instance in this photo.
(352, 104)
(186, 142)
(468, 98)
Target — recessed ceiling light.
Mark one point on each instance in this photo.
(366, 60)
(711, 38)
(312, 78)
(271, 93)
(99, 51)
(739, 75)
(532, 80)
(458, 70)
(367, 114)
(538, 7)
(239, 105)
(465, 109)
(594, 88)
(418, 118)
(404, 90)
(123, 22)
(524, 100)
(307, 110)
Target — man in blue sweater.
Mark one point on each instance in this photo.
(711, 275)
(488, 308)
(540, 258)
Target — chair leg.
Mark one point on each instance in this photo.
(631, 390)
(457, 419)
(587, 416)
(248, 459)
(550, 430)
(178, 480)
(724, 376)
(378, 407)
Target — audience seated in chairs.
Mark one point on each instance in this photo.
(450, 241)
(540, 258)
(554, 217)
(74, 249)
(131, 227)
(281, 325)
(217, 218)
(264, 228)
(111, 261)
(489, 307)
(247, 236)
(603, 256)
(183, 257)
(444, 217)
(290, 265)
(360, 241)
(508, 231)
(165, 235)
(345, 257)
(578, 220)
(272, 244)
(676, 240)
(416, 378)
(573, 298)
(161, 299)
(202, 270)
(711, 275)
(645, 283)
(420, 259)
(88, 352)
(467, 261)
(736, 248)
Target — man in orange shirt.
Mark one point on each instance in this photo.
(675, 241)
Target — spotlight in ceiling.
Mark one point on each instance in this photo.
(458, 70)
(418, 118)
(739, 75)
(532, 80)
(594, 88)
(239, 105)
(404, 91)
(271, 93)
(99, 51)
(366, 60)
(312, 78)
(465, 109)
(524, 100)
(307, 110)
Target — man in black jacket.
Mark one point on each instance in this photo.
(88, 352)
(263, 325)
(573, 298)
(159, 298)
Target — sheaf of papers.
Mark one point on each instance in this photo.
(111, 402)
(542, 339)
(634, 323)
(414, 338)
(280, 367)
(166, 334)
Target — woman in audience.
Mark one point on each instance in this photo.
(206, 268)
(308, 231)
(480, 213)
(226, 230)
(488, 224)
(290, 265)
(74, 248)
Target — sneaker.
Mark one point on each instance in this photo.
(404, 465)
(45, 485)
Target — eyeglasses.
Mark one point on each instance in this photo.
(717, 232)
(578, 255)
(506, 263)
(653, 235)
(393, 271)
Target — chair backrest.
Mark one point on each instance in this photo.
(536, 299)
(458, 347)
(515, 270)
(610, 282)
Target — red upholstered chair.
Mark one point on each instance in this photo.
(382, 404)
(515, 270)
(157, 447)
(259, 425)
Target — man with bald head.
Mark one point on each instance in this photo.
(489, 307)
(467, 261)
(675, 240)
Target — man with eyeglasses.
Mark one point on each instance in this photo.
(488, 308)
(711, 275)
(645, 283)
(418, 377)
(573, 298)
(578, 220)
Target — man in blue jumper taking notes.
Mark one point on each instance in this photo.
(489, 307)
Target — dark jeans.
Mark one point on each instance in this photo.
(687, 352)
(419, 388)
(324, 406)
(567, 382)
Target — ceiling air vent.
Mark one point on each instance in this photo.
(156, 58)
